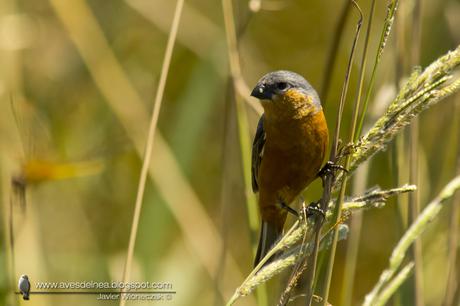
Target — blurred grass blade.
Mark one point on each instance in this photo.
(453, 231)
(236, 78)
(208, 47)
(242, 119)
(196, 225)
(414, 149)
(388, 23)
(425, 218)
(158, 14)
(393, 285)
(149, 143)
(333, 51)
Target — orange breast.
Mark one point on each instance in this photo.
(293, 154)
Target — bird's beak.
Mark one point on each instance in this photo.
(261, 92)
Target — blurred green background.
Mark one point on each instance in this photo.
(82, 76)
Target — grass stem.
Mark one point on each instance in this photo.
(312, 260)
(414, 148)
(150, 140)
(243, 128)
(332, 54)
(348, 276)
(452, 284)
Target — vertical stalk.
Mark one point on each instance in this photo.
(150, 141)
(399, 157)
(243, 127)
(11, 77)
(313, 258)
(452, 264)
(361, 176)
(351, 257)
(352, 248)
(225, 191)
(356, 108)
(387, 25)
(414, 147)
(332, 54)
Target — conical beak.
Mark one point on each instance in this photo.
(261, 92)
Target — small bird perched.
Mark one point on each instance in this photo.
(288, 149)
(24, 286)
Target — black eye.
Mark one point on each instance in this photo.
(282, 85)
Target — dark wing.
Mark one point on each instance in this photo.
(257, 152)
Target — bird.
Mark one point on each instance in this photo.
(24, 286)
(288, 149)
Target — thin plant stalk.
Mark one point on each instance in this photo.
(414, 198)
(150, 141)
(225, 192)
(452, 264)
(8, 231)
(12, 78)
(243, 127)
(452, 280)
(328, 181)
(338, 211)
(400, 167)
(351, 256)
(388, 23)
(347, 284)
(361, 177)
(242, 122)
(332, 54)
(399, 152)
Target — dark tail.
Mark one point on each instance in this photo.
(269, 235)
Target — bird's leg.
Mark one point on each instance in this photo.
(289, 209)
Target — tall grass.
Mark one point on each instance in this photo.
(196, 225)
(90, 68)
(328, 184)
(422, 90)
(236, 79)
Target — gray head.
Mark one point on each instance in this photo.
(24, 276)
(279, 82)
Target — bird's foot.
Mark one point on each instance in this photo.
(314, 209)
(330, 168)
